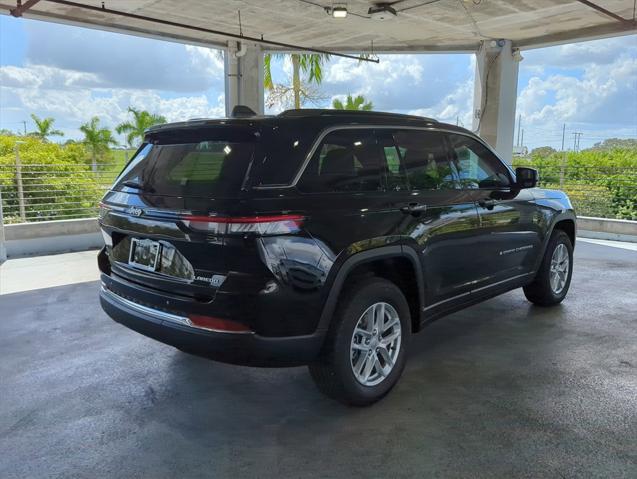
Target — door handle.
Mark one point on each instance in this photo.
(413, 209)
(487, 203)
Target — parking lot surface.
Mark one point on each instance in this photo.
(503, 389)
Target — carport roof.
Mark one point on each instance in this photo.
(433, 25)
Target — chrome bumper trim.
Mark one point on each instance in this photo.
(155, 313)
(162, 315)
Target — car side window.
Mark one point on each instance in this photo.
(346, 160)
(477, 166)
(424, 163)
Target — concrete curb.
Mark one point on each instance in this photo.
(50, 237)
(608, 229)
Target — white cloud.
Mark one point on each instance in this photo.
(69, 98)
(123, 61)
(398, 83)
(590, 87)
(454, 107)
(556, 98)
(73, 74)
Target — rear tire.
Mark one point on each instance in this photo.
(554, 276)
(366, 346)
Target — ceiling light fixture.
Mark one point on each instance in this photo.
(339, 12)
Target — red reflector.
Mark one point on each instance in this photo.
(217, 324)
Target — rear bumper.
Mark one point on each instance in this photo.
(247, 349)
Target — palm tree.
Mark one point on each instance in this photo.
(358, 103)
(96, 139)
(44, 128)
(310, 64)
(142, 120)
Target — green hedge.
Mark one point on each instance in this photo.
(599, 182)
(57, 181)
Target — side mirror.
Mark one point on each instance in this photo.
(526, 177)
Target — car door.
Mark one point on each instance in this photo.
(507, 241)
(437, 218)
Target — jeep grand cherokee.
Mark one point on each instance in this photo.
(324, 238)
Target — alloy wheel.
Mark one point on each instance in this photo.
(559, 269)
(375, 344)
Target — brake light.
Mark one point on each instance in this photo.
(217, 324)
(260, 225)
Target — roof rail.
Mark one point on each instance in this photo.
(304, 112)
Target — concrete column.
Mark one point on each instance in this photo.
(495, 95)
(243, 64)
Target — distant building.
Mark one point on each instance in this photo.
(520, 151)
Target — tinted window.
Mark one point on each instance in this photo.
(211, 168)
(424, 163)
(477, 166)
(284, 149)
(346, 160)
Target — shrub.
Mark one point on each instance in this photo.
(57, 182)
(599, 182)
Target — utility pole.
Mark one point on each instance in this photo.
(25, 127)
(576, 137)
(519, 125)
(522, 143)
(563, 165)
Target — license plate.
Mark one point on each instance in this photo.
(144, 254)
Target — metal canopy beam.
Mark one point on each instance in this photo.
(281, 45)
(608, 13)
(22, 7)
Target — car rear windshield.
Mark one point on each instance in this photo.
(213, 162)
(189, 165)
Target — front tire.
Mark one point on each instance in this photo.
(554, 276)
(366, 346)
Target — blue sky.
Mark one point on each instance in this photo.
(72, 74)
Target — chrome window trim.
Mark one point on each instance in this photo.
(326, 131)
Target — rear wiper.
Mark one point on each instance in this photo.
(137, 185)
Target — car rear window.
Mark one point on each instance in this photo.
(216, 167)
(215, 162)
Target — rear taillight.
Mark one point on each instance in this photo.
(259, 225)
(103, 209)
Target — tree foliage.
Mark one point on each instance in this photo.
(542, 151)
(358, 103)
(599, 182)
(134, 130)
(616, 143)
(57, 182)
(44, 128)
(96, 139)
(308, 64)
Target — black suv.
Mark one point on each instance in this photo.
(324, 238)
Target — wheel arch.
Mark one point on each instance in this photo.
(565, 221)
(398, 264)
(568, 226)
